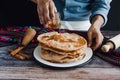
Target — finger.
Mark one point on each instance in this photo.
(97, 44)
(53, 10)
(40, 15)
(89, 39)
(46, 14)
(99, 40)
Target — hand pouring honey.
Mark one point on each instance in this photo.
(54, 23)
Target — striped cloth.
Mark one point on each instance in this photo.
(14, 35)
(113, 56)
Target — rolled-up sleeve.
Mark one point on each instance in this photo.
(101, 7)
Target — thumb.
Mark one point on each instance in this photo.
(89, 39)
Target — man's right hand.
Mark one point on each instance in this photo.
(46, 10)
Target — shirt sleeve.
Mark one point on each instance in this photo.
(101, 7)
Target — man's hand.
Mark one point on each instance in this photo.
(46, 10)
(95, 36)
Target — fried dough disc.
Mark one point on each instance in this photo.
(53, 57)
(64, 42)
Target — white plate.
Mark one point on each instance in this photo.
(88, 56)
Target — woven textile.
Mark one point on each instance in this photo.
(14, 35)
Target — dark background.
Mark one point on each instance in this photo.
(23, 12)
(114, 16)
(18, 12)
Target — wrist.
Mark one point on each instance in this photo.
(34, 1)
(97, 21)
(42, 1)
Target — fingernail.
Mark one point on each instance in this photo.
(53, 17)
(41, 22)
(88, 45)
(93, 49)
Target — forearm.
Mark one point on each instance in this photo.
(100, 7)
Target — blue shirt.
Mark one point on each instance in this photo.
(80, 10)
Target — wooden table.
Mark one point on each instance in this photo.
(14, 69)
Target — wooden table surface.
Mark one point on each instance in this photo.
(14, 69)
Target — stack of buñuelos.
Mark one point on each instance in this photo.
(62, 47)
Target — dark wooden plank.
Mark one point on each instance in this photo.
(34, 73)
